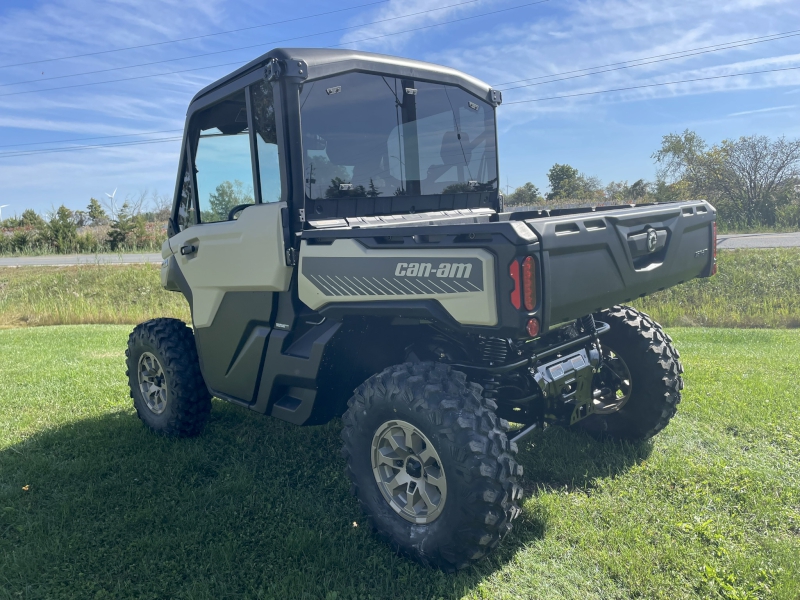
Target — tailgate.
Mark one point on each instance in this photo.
(594, 260)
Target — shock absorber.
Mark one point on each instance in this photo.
(493, 352)
(590, 327)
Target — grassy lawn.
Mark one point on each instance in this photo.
(754, 288)
(93, 506)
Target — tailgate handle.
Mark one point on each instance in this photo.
(188, 249)
(647, 242)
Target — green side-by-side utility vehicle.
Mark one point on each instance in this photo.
(338, 231)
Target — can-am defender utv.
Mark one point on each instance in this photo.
(338, 226)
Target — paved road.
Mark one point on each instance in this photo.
(758, 240)
(727, 241)
(67, 260)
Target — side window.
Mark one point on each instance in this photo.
(266, 141)
(186, 216)
(222, 161)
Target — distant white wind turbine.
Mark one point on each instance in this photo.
(111, 198)
(1, 210)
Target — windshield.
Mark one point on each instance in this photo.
(369, 135)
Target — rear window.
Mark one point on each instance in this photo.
(367, 135)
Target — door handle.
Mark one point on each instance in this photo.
(188, 249)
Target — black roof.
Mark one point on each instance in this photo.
(324, 62)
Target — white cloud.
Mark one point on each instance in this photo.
(761, 110)
(395, 21)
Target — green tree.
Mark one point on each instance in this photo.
(140, 235)
(682, 156)
(30, 218)
(525, 195)
(750, 180)
(563, 181)
(224, 198)
(620, 191)
(567, 183)
(121, 227)
(95, 213)
(60, 232)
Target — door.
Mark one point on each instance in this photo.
(230, 247)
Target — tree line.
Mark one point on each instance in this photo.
(138, 224)
(753, 181)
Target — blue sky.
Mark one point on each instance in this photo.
(609, 135)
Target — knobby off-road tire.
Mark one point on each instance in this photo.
(165, 353)
(470, 441)
(655, 376)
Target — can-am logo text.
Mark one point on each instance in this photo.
(452, 270)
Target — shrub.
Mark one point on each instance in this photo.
(24, 239)
(60, 232)
(121, 228)
(88, 243)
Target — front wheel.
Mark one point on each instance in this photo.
(639, 386)
(430, 463)
(166, 385)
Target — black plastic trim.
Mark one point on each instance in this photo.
(282, 371)
(427, 310)
(176, 279)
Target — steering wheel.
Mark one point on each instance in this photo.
(236, 209)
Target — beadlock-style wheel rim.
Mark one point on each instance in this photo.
(152, 383)
(408, 472)
(616, 396)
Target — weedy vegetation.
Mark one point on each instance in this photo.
(754, 288)
(85, 294)
(92, 505)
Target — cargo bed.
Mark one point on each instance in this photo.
(595, 258)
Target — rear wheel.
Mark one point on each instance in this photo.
(430, 463)
(639, 386)
(166, 385)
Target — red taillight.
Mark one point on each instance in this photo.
(513, 270)
(714, 244)
(528, 283)
(533, 327)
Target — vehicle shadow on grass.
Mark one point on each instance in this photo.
(572, 460)
(252, 508)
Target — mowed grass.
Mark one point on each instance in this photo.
(85, 294)
(754, 288)
(94, 506)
